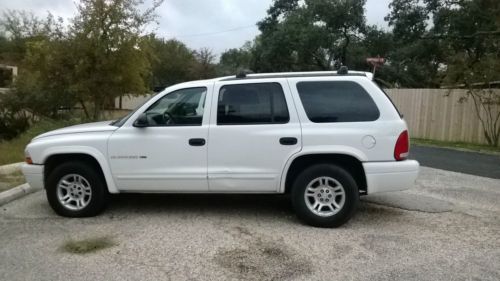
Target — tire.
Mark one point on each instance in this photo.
(78, 180)
(325, 182)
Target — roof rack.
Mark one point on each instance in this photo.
(243, 75)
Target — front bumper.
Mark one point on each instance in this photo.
(33, 175)
(390, 176)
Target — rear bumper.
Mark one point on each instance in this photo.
(390, 176)
(33, 175)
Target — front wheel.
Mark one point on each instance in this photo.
(76, 190)
(325, 195)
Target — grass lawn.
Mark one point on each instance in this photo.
(459, 145)
(12, 151)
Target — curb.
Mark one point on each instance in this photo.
(10, 168)
(16, 192)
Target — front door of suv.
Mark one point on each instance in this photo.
(254, 130)
(170, 154)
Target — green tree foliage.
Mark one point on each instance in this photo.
(469, 34)
(101, 55)
(308, 35)
(39, 48)
(415, 62)
(171, 62)
(234, 60)
(108, 57)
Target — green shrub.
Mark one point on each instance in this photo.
(12, 151)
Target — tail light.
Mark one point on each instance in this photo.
(402, 148)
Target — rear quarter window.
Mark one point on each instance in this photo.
(337, 101)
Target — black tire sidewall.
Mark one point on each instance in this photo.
(339, 174)
(97, 185)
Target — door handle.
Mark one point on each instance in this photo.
(288, 141)
(197, 142)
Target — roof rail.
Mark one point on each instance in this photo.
(249, 75)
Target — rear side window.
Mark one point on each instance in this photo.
(336, 101)
(259, 103)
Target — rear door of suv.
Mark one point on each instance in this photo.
(254, 129)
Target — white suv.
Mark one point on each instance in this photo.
(325, 138)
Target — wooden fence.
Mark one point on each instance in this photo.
(438, 114)
(430, 113)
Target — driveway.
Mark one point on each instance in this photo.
(446, 228)
(473, 163)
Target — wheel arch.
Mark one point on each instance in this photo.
(87, 155)
(347, 161)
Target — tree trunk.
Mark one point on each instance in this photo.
(84, 109)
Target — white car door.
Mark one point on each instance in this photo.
(170, 153)
(254, 130)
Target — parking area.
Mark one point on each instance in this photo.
(446, 228)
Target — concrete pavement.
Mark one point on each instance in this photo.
(452, 234)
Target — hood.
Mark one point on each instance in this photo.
(103, 126)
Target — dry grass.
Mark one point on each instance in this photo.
(8, 181)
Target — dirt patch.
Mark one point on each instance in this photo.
(262, 259)
(89, 245)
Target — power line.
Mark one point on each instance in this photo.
(214, 32)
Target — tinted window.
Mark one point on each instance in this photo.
(336, 101)
(262, 103)
(180, 108)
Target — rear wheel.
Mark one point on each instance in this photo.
(76, 189)
(325, 195)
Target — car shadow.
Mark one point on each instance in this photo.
(227, 205)
(196, 203)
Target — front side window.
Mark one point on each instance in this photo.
(246, 104)
(337, 101)
(179, 108)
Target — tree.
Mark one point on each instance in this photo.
(414, 61)
(470, 34)
(171, 62)
(205, 66)
(308, 35)
(233, 60)
(41, 50)
(109, 61)
(100, 56)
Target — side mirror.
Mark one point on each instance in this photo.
(142, 121)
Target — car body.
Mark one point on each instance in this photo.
(252, 133)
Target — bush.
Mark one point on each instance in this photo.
(11, 125)
(12, 151)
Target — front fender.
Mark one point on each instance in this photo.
(91, 151)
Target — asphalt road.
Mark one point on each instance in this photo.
(446, 228)
(472, 163)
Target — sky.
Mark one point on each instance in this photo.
(215, 24)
